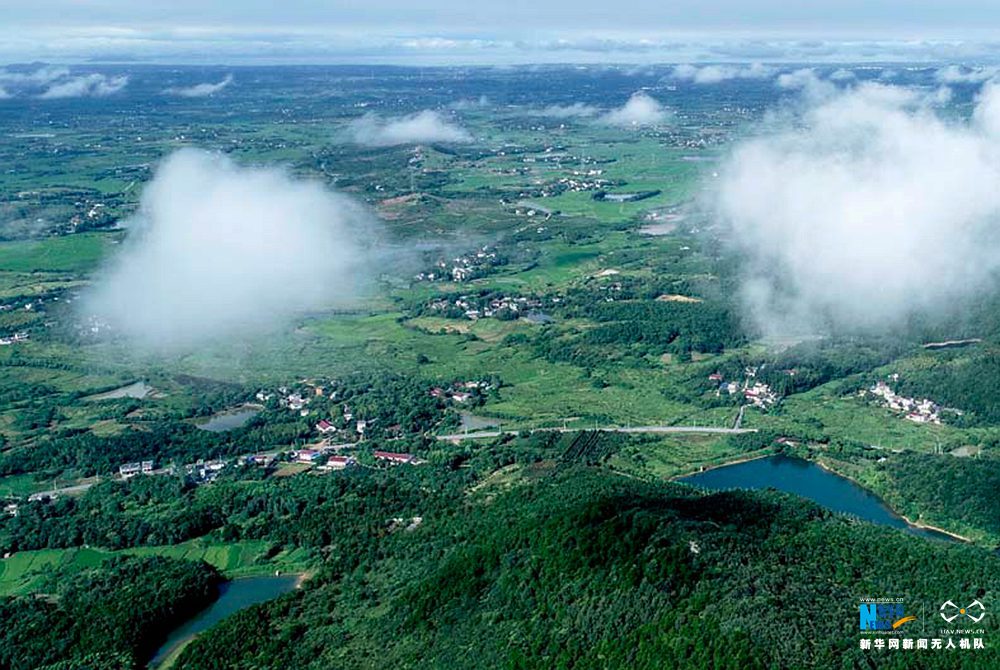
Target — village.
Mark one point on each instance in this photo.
(755, 393)
(492, 306)
(918, 411)
(464, 268)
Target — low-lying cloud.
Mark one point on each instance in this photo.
(958, 74)
(199, 90)
(220, 252)
(52, 82)
(714, 74)
(85, 86)
(864, 209)
(577, 110)
(423, 127)
(808, 81)
(640, 110)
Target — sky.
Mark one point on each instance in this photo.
(515, 31)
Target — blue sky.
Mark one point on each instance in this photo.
(466, 31)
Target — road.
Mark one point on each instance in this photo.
(704, 430)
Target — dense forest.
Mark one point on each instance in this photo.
(111, 617)
(581, 568)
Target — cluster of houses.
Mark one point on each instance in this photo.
(475, 309)
(294, 400)
(918, 411)
(585, 180)
(461, 392)
(755, 393)
(13, 339)
(325, 427)
(463, 268)
(324, 456)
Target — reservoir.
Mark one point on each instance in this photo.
(233, 597)
(230, 419)
(804, 478)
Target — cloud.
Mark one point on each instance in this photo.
(713, 74)
(640, 110)
(421, 128)
(199, 90)
(44, 74)
(576, 110)
(219, 252)
(958, 74)
(86, 85)
(808, 82)
(842, 74)
(482, 102)
(864, 209)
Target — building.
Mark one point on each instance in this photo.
(325, 427)
(263, 460)
(127, 470)
(308, 456)
(395, 458)
(340, 463)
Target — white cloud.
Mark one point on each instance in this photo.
(842, 74)
(85, 85)
(958, 74)
(640, 110)
(713, 74)
(424, 127)
(199, 90)
(220, 252)
(41, 76)
(576, 110)
(806, 80)
(865, 208)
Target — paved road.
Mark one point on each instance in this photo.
(704, 430)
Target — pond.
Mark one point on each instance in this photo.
(805, 478)
(233, 597)
(230, 419)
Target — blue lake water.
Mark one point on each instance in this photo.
(233, 597)
(805, 478)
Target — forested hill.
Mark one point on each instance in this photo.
(581, 568)
(111, 617)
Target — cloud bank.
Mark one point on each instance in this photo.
(220, 252)
(85, 86)
(199, 90)
(864, 209)
(577, 110)
(52, 82)
(958, 74)
(714, 74)
(422, 128)
(640, 110)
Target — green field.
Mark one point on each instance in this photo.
(21, 572)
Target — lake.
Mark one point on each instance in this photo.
(805, 478)
(233, 597)
(230, 419)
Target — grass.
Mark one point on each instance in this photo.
(22, 572)
(72, 253)
(667, 456)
